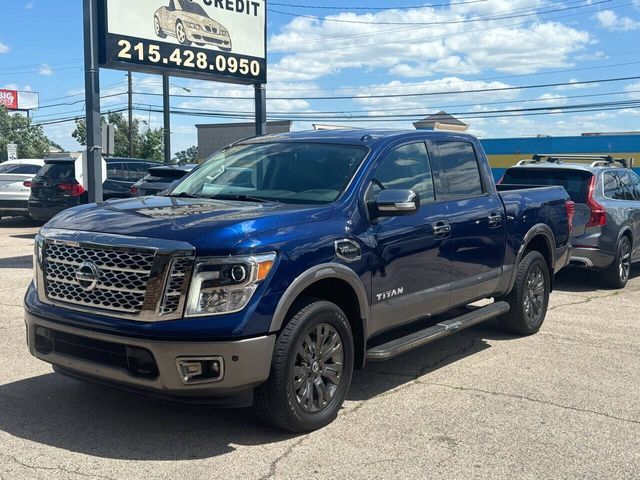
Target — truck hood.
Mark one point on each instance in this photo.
(212, 226)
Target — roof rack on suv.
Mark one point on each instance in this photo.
(597, 160)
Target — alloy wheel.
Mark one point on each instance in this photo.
(625, 261)
(318, 368)
(534, 294)
(180, 33)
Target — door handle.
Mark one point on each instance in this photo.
(495, 220)
(442, 229)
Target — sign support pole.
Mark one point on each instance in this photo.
(130, 98)
(261, 109)
(92, 92)
(166, 109)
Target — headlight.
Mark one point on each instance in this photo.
(37, 256)
(193, 25)
(225, 285)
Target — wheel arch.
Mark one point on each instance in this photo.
(338, 284)
(541, 239)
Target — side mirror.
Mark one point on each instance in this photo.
(396, 203)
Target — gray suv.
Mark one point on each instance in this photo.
(606, 191)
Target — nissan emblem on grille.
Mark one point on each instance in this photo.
(87, 276)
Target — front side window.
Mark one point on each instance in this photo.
(635, 180)
(287, 172)
(456, 170)
(407, 168)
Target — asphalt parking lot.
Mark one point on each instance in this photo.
(561, 404)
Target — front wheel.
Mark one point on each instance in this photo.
(311, 369)
(181, 34)
(529, 297)
(617, 274)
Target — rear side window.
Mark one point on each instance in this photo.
(575, 182)
(58, 171)
(117, 171)
(635, 180)
(456, 170)
(27, 169)
(137, 171)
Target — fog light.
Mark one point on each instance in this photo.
(200, 370)
(44, 340)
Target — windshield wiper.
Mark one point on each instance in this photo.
(184, 195)
(243, 198)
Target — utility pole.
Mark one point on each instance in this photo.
(261, 109)
(130, 93)
(166, 108)
(92, 93)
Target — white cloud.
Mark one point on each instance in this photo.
(4, 48)
(610, 20)
(633, 90)
(45, 70)
(313, 49)
(30, 5)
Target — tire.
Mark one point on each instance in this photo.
(616, 275)
(181, 34)
(156, 25)
(529, 298)
(291, 398)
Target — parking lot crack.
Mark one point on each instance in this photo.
(60, 469)
(534, 400)
(273, 466)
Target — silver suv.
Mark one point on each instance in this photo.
(606, 226)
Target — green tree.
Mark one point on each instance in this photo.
(146, 144)
(190, 155)
(30, 139)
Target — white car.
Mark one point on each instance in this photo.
(15, 188)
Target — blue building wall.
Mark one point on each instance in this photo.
(505, 152)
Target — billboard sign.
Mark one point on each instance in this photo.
(222, 40)
(16, 100)
(9, 98)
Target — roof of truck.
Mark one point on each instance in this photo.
(365, 137)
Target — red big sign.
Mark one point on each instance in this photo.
(9, 98)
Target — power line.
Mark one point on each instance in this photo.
(406, 95)
(404, 7)
(443, 22)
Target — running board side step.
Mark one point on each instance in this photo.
(443, 329)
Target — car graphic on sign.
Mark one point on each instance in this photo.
(188, 22)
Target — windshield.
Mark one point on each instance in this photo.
(311, 173)
(191, 7)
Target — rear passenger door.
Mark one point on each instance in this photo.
(476, 215)
(118, 183)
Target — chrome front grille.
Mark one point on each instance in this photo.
(121, 284)
(177, 282)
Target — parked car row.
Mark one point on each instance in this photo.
(41, 189)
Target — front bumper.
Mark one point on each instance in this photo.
(246, 363)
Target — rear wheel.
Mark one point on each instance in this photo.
(158, 28)
(529, 298)
(311, 369)
(617, 274)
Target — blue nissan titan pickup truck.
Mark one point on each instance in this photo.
(283, 263)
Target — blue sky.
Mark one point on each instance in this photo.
(361, 48)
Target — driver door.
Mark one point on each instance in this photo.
(411, 259)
